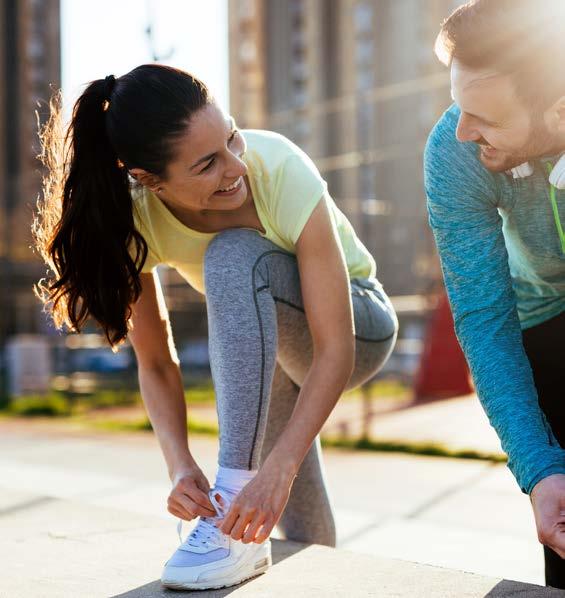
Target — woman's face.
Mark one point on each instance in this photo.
(207, 172)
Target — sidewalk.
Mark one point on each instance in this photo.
(85, 515)
(88, 551)
(59, 548)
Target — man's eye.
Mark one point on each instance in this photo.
(233, 136)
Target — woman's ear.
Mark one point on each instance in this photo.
(147, 179)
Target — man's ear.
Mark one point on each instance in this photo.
(147, 179)
(557, 116)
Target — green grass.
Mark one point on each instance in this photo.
(144, 425)
(411, 448)
(60, 404)
(63, 404)
(204, 393)
(51, 405)
(380, 389)
(200, 394)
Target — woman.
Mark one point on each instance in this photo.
(295, 313)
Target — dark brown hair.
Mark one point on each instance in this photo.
(521, 38)
(84, 228)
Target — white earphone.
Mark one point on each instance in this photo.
(556, 178)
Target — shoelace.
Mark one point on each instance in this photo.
(205, 531)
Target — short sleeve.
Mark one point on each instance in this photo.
(152, 260)
(299, 188)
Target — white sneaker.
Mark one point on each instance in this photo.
(209, 559)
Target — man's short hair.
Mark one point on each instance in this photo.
(521, 38)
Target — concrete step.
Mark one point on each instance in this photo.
(54, 547)
(302, 571)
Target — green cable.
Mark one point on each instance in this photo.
(553, 200)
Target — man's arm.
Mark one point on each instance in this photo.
(462, 203)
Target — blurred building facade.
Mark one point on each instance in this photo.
(30, 68)
(356, 84)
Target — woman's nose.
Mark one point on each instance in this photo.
(236, 167)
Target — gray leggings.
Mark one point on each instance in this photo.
(260, 353)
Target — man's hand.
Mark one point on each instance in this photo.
(548, 502)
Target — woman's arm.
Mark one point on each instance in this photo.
(162, 389)
(327, 303)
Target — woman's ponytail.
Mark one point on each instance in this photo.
(92, 246)
(85, 228)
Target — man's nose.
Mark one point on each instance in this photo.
(466, 131)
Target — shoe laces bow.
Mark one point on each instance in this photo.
(206, 534)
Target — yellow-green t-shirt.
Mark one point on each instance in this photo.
(286, 187)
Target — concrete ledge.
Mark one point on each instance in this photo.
(301, 571)
(54, 547)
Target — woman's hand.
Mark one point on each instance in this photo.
(189, 496)
(259, 506)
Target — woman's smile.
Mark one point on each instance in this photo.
(231, 189)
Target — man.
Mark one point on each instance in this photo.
(495, 180)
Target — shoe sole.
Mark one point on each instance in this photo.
(232, 580)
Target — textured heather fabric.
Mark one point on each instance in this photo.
(504, 272)
(260, 354)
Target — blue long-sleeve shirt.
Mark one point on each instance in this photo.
(504, 271)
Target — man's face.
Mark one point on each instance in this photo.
(493, 117)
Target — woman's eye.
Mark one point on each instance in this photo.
(230, 139)
(208, 166)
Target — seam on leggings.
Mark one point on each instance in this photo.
(375, 340)
(359, 338)
(260, 321)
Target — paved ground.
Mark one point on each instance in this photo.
(103, 497)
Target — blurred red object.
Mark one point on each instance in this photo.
(443, 371)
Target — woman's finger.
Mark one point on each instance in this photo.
(241, 525)
(265, 530)
(195, 494)
(202, 490)
(203, 484)
(178, 510)
(252, 528)
(190, 506)
(190, 487)
(229, 520)
(202, 499)
(180, 513)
